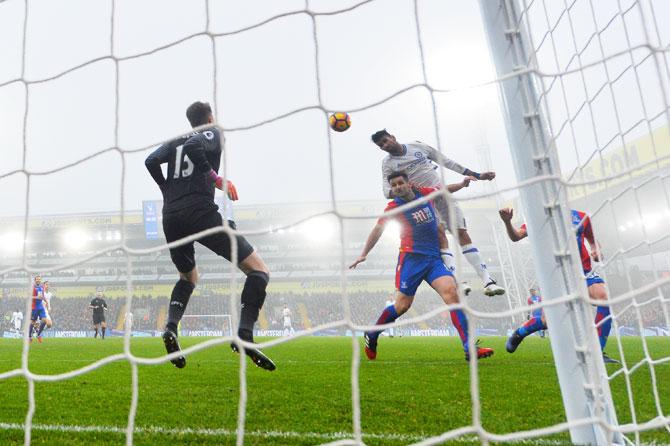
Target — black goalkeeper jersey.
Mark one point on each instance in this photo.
(190, 161)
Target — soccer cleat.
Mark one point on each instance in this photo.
(171, 346)
(513, 342)
(608, 360)
(466, 288)
(257, 357)
(370, 347)
(30, 340)
(493, 289)
(482, 352)
(39, 339)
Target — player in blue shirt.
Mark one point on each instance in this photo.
(38, 311)
(419, 260)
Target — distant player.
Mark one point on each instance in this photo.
(594, 283)
(420, 162)
(99, 307)
(419, 260)
(38, 312)
(288, 326)
(533, 299)
(17, 320)
(188, 208)
(47, 304)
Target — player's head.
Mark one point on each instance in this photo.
(386, 141)
(399, 182)
(199, 113)
(46, 284)
(38, 279)
(98, 293)
(533, 291)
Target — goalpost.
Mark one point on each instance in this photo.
(581, 372)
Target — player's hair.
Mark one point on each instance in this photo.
(198, 113)
(396, 175)
(378, 135)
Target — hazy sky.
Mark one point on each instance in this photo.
(364, 56)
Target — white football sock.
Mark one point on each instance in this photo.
(471, 253)
(449, 260)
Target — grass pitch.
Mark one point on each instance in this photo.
(417, 388)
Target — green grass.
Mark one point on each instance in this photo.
(418, 387)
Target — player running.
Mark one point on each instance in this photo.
(188, 208)
(419, 260)
(38, 312)
(420, 162)
(594, 283)
(99, 306)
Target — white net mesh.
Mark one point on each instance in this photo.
(602, 75)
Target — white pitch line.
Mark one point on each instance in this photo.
(260, 434)
(207, 432)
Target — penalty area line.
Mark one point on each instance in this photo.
(208, 432)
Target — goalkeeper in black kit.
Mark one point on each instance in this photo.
(188, 207)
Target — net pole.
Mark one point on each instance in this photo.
(581, 373)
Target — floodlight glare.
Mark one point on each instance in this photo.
(75, 239)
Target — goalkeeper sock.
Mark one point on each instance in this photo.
(30, 329)
(103, 332)
(460, 321)
(388, 315)
(605, 327)
(96, 333)
(448, 259)
(181, 293)
(41, 329)
(253, 297)
(531, 326)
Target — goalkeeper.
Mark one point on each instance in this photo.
(188, 208)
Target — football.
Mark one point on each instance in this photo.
(339, 121)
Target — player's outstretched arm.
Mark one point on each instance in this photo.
(370, 243)
(435, 155)
(513, 233)
(458, 186)
(154, 161)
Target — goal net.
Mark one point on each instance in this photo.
(88, 89)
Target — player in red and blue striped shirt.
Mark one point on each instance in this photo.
(581, 223)
(38, 312)
(419, 260)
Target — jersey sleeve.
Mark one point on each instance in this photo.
(382, 220)
(427, 190)
(154, 161)
(588, 229)
(386, 171)
(435, 155)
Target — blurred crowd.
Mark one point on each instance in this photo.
(307, 310)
